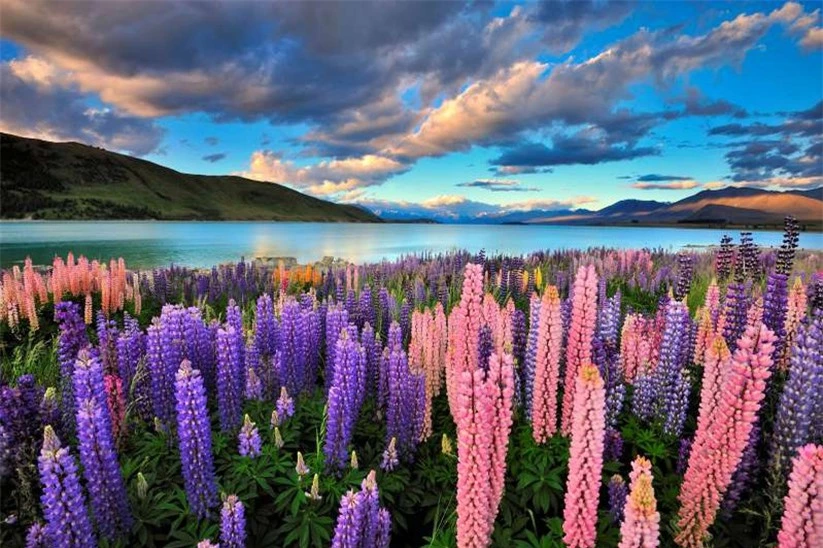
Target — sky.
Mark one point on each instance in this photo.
(476, 108)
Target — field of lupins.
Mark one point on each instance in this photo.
(579, 398)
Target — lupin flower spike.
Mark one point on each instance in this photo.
(301, 467)
(314, 493)
(446, 446)
(278, 439)
(354, 464)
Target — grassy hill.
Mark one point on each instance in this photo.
(45, 180)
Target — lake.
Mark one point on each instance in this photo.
(146, 244)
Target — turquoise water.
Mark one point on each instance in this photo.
(148, 244)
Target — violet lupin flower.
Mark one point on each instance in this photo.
(361, 522)
(232, 523)
(775, 305)
(735, 307)
(194, 432)
(64, 506)
(130, 349)
(405, 403)
(618, 491)
(798, 416)
(107, 490)
(684, 281)
(683, 452)
(285, 404)
(72, 338)
(36, 536)
(531, 352)
(248, 440)
(345, 398)
(254, 387)
(158, 374)
(337, 318)
(229, 402)
(390, 458)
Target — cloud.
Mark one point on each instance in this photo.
(325, 178)
(567, 150)
(499, 185)
(776, 153)
(212, 158)
(566, 21)
(673, 185)
(211, 141)
(656, 178)
(36, 104)
(696, 104)
(813, 39)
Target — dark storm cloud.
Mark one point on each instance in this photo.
(565, 21)
(568, 151)
(212, 158)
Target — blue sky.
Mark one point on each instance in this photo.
(479, 108)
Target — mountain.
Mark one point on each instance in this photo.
(737, 206)
(45, 180)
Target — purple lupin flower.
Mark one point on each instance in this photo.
(337, 318)
(64, 507)
(362, 523)
(683, 453)
(285, 404)
(194, 433)
(373, 353)
(519, 341)
(798, 416)
(671, 375)
(724, 258)
(199, 349)
(734, 310)
(158, 373)
(229, 379)
(390, 457)
(232, 523)
(613, 447)
(365, 308)
(618, 491)
(248, 440)
(254, 386)
(743, 474)
(72, 338)
(405, 403)
(684, 281)
(299, 337)
(775, 305)
(107, 490)
(531, 352)
(130, 348)
(36, 536)
(107, 334)
(345, 398)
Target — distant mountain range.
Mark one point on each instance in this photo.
(730, 206)
(45, 180)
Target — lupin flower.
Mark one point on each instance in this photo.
(641, 526)
(530, 366)
(353, 462)
(71, 339)
(618, 492)
(446, 446)
(206, 543)
(581, 333)
(254, 387)
(313, 493)
(802, 523)
(405, 403)
(107, 490)
(248, 440)
(194, 432)
(278, 439)
(301, 467)
(585, 459)
(275, 418)
(390, 460)
(232, 523)
(229, 401)
(64, 506)
(802, 396)
(547, 370)
(723, 436)
(285, 404)
(483, 414)
(345, 399)
(36, 536)
(142, 486)
(361, 522)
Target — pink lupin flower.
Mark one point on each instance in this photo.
(483, 416)
(794, 315)
(802, 524)
(721, 439)
(117, 405)
(585, 459)
(716, 363)
(547, 367)
(641, 525)
(464, 330)
(581, 332)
